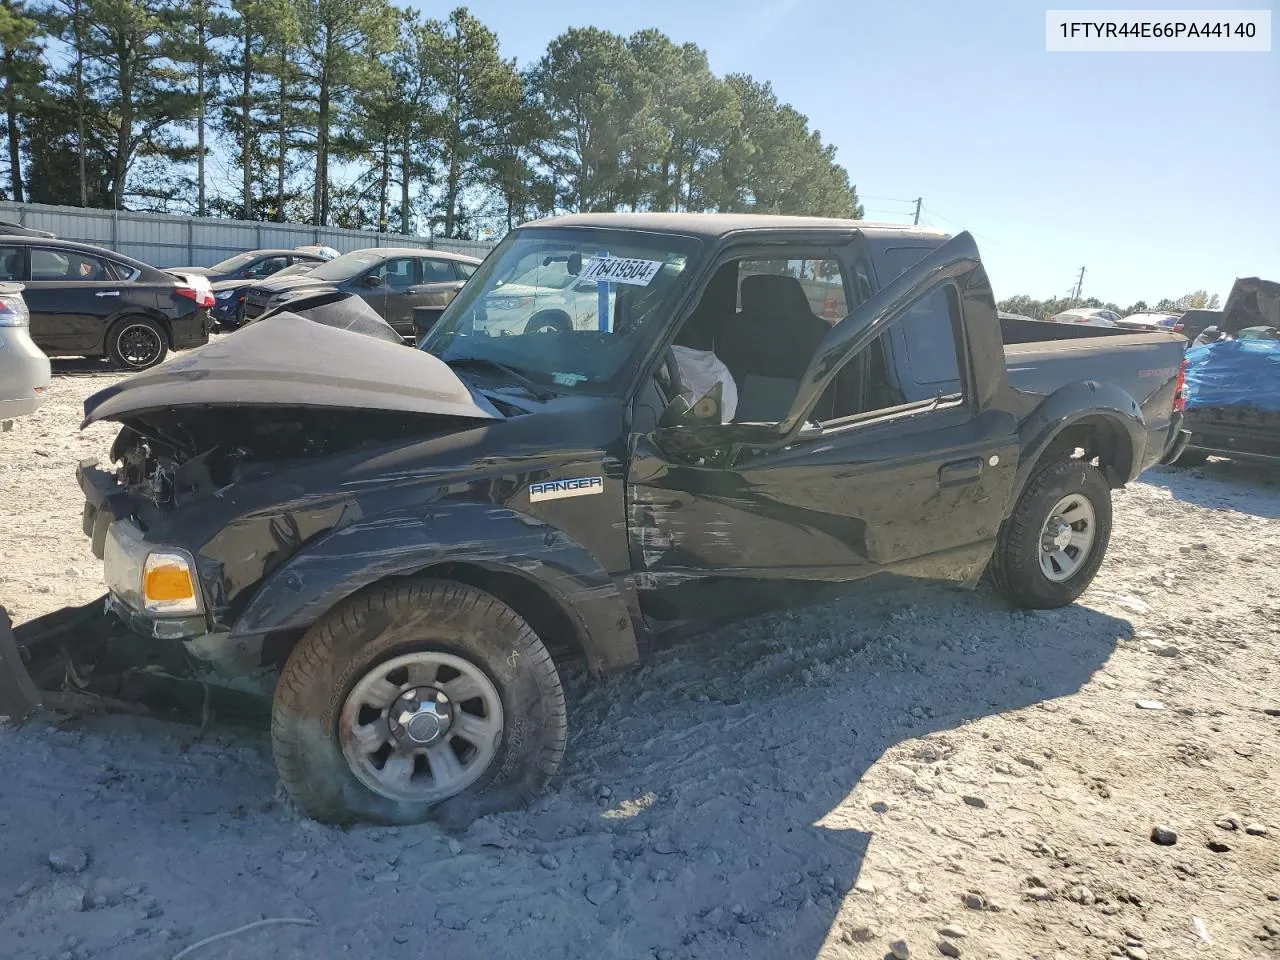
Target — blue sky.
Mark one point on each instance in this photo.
(1158, 172)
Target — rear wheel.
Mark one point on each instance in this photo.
(136, 343)
(425, 696)
(1049, 549)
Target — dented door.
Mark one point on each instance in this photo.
(920, 498)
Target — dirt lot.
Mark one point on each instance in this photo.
(932, 769)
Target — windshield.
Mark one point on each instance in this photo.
(348, 265)
(233, 263)
(564, 306)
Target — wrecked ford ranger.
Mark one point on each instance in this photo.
(403, 542)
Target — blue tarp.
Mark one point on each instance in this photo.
(1234, 373)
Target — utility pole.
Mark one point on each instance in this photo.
(1079, 286)
(919, 200)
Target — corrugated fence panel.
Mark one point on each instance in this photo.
(167, 241)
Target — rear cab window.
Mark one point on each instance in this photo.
(926, 345)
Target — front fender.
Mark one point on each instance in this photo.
(345, 560)
(1074, 404)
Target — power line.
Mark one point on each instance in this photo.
(988, 240)
(863, 196)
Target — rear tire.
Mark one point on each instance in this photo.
(137, 343)
(1029, 568)
(322, 744)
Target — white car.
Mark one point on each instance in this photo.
(24, 369)
(546, 298)
(1089, 316)
(1152, 321)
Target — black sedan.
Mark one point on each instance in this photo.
(86, 301)
(394, 281)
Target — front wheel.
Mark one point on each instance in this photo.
(409, 698)
(1049, 549)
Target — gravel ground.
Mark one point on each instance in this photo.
(931, 769)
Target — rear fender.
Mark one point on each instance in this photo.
(344, 561)
(1108, 407)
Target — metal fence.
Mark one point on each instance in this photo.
(167, 241)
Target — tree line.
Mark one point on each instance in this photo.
(357, 113)
(1044, 309)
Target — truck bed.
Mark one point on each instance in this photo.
(1043, 356)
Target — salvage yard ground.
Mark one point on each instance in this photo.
(931, 769)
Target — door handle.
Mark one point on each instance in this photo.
(107, 293)
(960, 472)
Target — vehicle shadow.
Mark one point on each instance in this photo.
(731, 761)
(1223, 485)
(710, 805)
(83, 366)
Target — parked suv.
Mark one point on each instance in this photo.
(394, 281)
(86, 301)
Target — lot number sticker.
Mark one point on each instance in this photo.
(622, 270)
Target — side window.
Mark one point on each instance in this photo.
(917, 360)
(756, 328)
(11, 263)
(820, 281)
(464, 270)
(437, 271)
(265, 268)
(397, 274)
(120, 271)
(67, 265)
(929, 338)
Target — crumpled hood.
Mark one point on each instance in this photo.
(289, 361)
(1253, 302)
(274, 285)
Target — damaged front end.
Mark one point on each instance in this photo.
(229, 460)
(80, 660)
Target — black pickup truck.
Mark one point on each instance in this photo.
(400, 540)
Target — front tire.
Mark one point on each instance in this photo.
(137, 343)
(1050, 548)
(428, 697)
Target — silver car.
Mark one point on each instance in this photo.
(24, 369)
